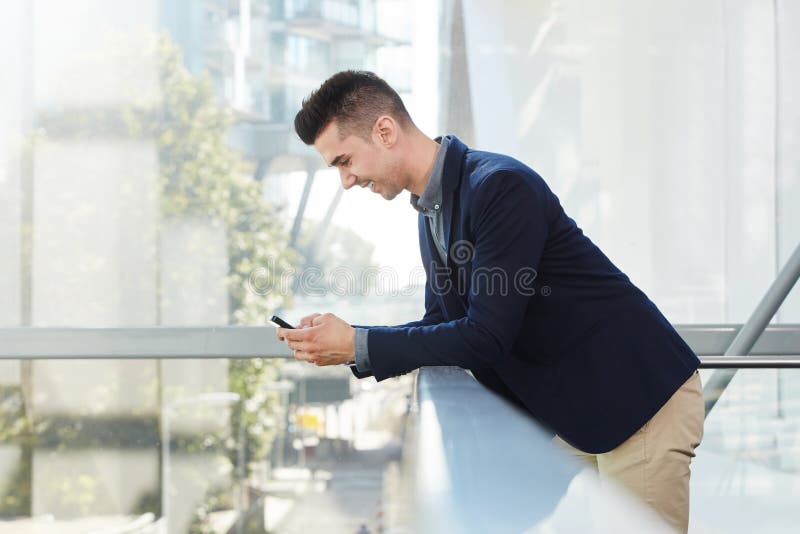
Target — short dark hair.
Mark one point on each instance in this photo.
(355, 99)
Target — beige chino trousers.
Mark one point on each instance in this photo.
(654, 462)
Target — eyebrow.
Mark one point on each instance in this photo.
(336, 160)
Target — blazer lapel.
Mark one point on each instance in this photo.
(451, 178)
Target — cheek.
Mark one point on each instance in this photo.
(390, 172)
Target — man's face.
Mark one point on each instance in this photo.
(360, 162)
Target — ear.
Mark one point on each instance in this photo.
(385, 131)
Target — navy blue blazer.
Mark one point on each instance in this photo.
(534, 309)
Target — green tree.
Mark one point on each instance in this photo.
(201, 175)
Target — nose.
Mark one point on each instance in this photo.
(348, 180)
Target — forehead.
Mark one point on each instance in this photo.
(329, 145)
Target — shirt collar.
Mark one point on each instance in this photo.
(430, 201)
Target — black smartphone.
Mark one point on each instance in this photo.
(277, 321)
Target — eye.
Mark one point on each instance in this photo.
(345, 162)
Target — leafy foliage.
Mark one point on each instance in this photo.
(202, 175)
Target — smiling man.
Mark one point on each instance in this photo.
(516, 293)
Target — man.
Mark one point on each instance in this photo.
(516, 293)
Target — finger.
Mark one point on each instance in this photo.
(304, 356)
(308, 320)
(297, 334)
(322, 318)
(301, 346)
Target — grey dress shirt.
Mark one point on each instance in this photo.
(430, 205)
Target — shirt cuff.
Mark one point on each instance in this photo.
(362, 351)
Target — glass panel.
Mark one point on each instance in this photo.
(150, 175)
(745, 476)
(159, 446)
(95, 143)
(668, 130)
(144, 151)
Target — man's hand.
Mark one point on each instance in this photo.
(322, 339)
(308, 320)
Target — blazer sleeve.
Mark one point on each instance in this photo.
(510, 227)
(433, 315)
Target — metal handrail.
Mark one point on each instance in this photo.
(749, 362)
(474, 463)
(141, 343)
(37, 343)
(754, 327)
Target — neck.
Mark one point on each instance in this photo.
(423, 156)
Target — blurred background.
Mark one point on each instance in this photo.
(150, 176)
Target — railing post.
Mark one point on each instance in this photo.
(754, 327)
